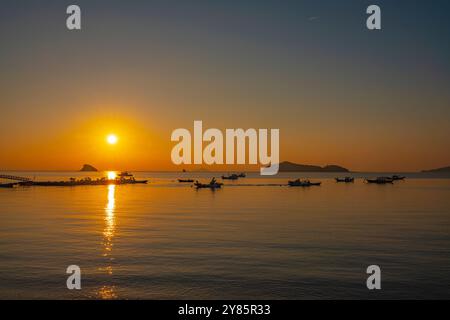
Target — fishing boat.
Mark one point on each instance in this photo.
(303, 183)
(213, 184)
(232, 177)
(395, 177)
(380, 180)
(127, 178)
(345, 179)
(199, 185)
(133, 181)
(241, 175)
(185, 180)
(8, 185)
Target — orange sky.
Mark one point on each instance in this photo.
(368, 101)
(146, 145)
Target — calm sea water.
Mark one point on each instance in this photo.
(251, 239)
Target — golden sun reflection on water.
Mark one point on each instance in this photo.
(109, 230)
(108, 292)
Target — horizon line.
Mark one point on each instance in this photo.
(213, 171)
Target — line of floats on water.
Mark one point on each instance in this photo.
(127, 178)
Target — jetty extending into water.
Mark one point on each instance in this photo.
(121, 179)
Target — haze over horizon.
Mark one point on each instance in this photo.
(339, 93)
(207, 168)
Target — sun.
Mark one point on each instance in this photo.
(112, 139)
(112, 175)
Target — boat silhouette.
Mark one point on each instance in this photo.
(8, 185)
(303, 183)
(345, 179)
(213, 184)
(231, 177)
(380, 180)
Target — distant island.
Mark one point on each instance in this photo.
(88, 168)
(443, 169)
(287, 166)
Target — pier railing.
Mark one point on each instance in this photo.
(16, 178)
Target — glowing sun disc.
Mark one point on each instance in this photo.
(112, 139)
(111, 175)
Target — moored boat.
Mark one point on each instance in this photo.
(395, 177)
(303, 183)
(380, 180)
(231, 177)
(185, 180)
(345, 179)
(213, 184)
(199, 185)
(133, 181)
(8, 185)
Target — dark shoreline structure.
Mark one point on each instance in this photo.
(83, 182)
(124, 178)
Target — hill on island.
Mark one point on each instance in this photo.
(443, 169)
(287, 166)
(89, 168)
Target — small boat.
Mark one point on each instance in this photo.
(185, 180)
(127, 178)
(133, 181)
(241, 175)
(211, 185)
(232, 177)
(303, 183)
(25, 183)
(395, 177)
(346, 179)
(199, 185)
(380, 180)
(8, 185)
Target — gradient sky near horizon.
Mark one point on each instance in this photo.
(339, 93)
